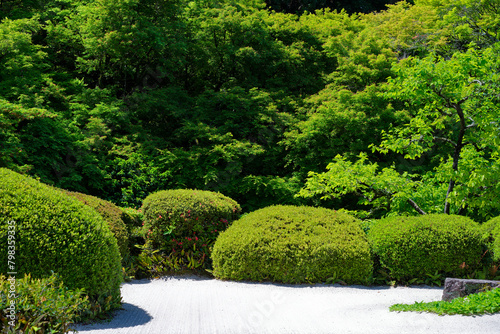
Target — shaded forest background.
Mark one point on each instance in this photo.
(121, 98)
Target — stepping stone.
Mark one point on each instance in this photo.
(456, 287)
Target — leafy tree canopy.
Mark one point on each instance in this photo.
(119, 99)
(454, 125)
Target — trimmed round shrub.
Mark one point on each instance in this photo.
(56, 233)
(491, 236)
(414, 247)
(112, 214)
(186, 222)
(293, 244)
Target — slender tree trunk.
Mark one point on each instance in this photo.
(456, 155)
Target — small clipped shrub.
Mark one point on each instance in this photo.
(292, 245)
(57, 233)
(112, 214)
(491, 236)
(40, 305)
(183, 224)
(416, 247)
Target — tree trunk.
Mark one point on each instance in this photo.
(456, 155)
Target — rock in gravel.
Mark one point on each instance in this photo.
(456, 287)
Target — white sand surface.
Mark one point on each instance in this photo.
(194, 305)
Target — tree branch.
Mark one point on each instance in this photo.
(414, 140)
(462, 101)
(481, 31)
(446, 140)
(416, 207)
(472, 125)
(446, 99)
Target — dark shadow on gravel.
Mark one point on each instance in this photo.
(129, 316)
(139, 281)
(187, 278)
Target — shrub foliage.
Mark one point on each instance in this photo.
(293, 244)
(184, 224)
(134, 221)
(57, 233)
(41, 305)
(413, 247)
(491, 235)
(112, 214)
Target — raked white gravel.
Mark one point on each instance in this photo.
(194, 305)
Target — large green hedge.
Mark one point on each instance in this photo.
(414, 247)
(112, 214)
(57, 233)
(184, 223)
(293, 244)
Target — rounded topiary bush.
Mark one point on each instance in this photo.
(293, 244)
(491, 236)
(413, 247)
(112, 214)
(57, 233)
(186, 222)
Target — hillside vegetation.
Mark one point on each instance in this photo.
(120, 99)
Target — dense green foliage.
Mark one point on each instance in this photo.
(41, 305)
(56, 233)
(123, 98)
(454, 108)
(491, 234)
(413, 247)
(293, 245)
(134, 220)
(496, 243)
(185, 223)
(113, 215)
(351, 6)
(487, 302)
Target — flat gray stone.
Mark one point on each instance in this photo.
(456, 287)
